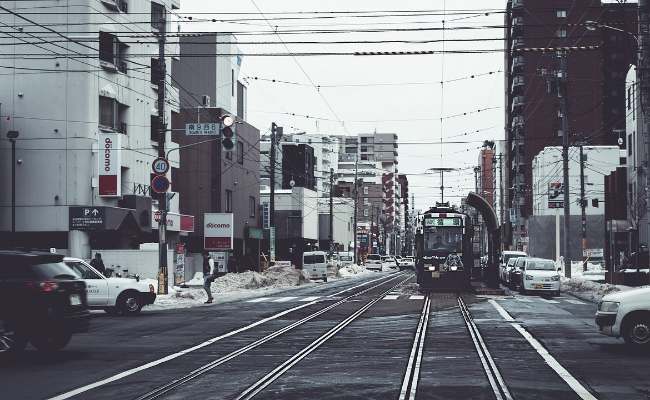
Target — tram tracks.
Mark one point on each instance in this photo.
(266, 380)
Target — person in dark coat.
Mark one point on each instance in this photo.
(209, 275)
(98, 264)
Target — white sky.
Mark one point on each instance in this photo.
(420, 104)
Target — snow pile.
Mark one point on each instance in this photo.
(589, 290)
(231, 287)
(352, 270)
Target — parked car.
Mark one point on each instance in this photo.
(504, 273)
(314, 263)
(388, 262)
(626, 314)
(346, 258)
(505, 257)
(42, 301)
(114, 295)
(407, 263)
(374, 262)
(538, 275)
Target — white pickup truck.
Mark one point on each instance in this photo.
(626, 314)
(114, 295)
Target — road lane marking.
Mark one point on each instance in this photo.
(566, 376)
(310, 298)
(391, 297)
(173, 356)
(523, 299)
(548, 301)
(416, 297)
(574, 301)
(284, 299)
(258, 300)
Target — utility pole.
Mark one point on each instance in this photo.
(162, 133)
(412, 223)
(644, 81)
(356, 199)
(501, 211)
(583, 207)
(562, 93)
(372, 221)
(331, 212)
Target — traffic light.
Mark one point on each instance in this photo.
(228, 132)
(594, 203)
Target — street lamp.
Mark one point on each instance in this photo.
(593, 25)
(12, 136)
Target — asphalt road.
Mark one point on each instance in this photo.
(334, 347)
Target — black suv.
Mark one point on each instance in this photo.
(42, 301)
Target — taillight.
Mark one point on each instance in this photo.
(151, 288)
(48, 286)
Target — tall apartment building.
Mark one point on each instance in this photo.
(595, 85)
(87, 112)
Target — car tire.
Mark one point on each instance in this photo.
(637, 332)
(51, 342)
(129, 302)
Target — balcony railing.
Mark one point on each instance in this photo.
(517, 3)
(517, 82)
(517, 62)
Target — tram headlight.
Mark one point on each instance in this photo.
(454, 268)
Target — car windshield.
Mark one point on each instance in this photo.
(346, 258)
(314, 259)
(545, 265)
(443, 239)
(507, 257)
(82, 270)
(376, 257)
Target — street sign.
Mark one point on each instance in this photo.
(555, 195)
(87, 218)
(110, 156)
(202, 129)
(160, 184)
(160, 166)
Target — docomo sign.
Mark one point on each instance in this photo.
(217, 231)
(110, 161)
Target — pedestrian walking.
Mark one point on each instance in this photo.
(209, 275)
(98, 264)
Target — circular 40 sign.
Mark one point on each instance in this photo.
(160, 166)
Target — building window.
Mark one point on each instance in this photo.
(366, 201)
(364, 140)
(365, 212)
(240, 152)
(112, 52)
(112, 115)
(364, 157)
(251, 206)
(365, 190)
(228, 200)
(560, 13)
(158, 15)
(364, 149)
(560, 32)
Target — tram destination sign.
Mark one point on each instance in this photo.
(428, 222)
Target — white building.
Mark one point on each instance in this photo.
(343, 222)
(547, 170)
(96, 83)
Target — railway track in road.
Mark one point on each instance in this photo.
(411, 376)
(277, 372)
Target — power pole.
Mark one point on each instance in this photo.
(412, 224)
(583, 207)
(162, 133)
(644, 81)
(562, 93)
(501, 212)
(372, 221)
(331, 212)
(356, 199)
(274, 128)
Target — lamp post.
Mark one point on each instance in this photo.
(12, 136)
(593, 25)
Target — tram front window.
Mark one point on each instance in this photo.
(443, 240)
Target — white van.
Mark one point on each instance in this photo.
(314, 263)
(346, 258)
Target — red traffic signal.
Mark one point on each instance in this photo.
(227, 132)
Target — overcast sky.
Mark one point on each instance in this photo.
(417, 106)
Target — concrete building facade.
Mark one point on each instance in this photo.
(64, 118)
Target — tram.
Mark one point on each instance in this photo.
(443, 246)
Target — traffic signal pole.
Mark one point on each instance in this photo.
(162, 133)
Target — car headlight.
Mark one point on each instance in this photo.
(529, 277)
(454, 268)
(608, 306)
(555, 278)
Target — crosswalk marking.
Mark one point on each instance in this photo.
(311, 298)
(284, 299)
(572, 301)
(391, 297)
(549, 301)
(259, 300)
(416, 297)
(524, 300)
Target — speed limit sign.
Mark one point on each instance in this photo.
(160, 166)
